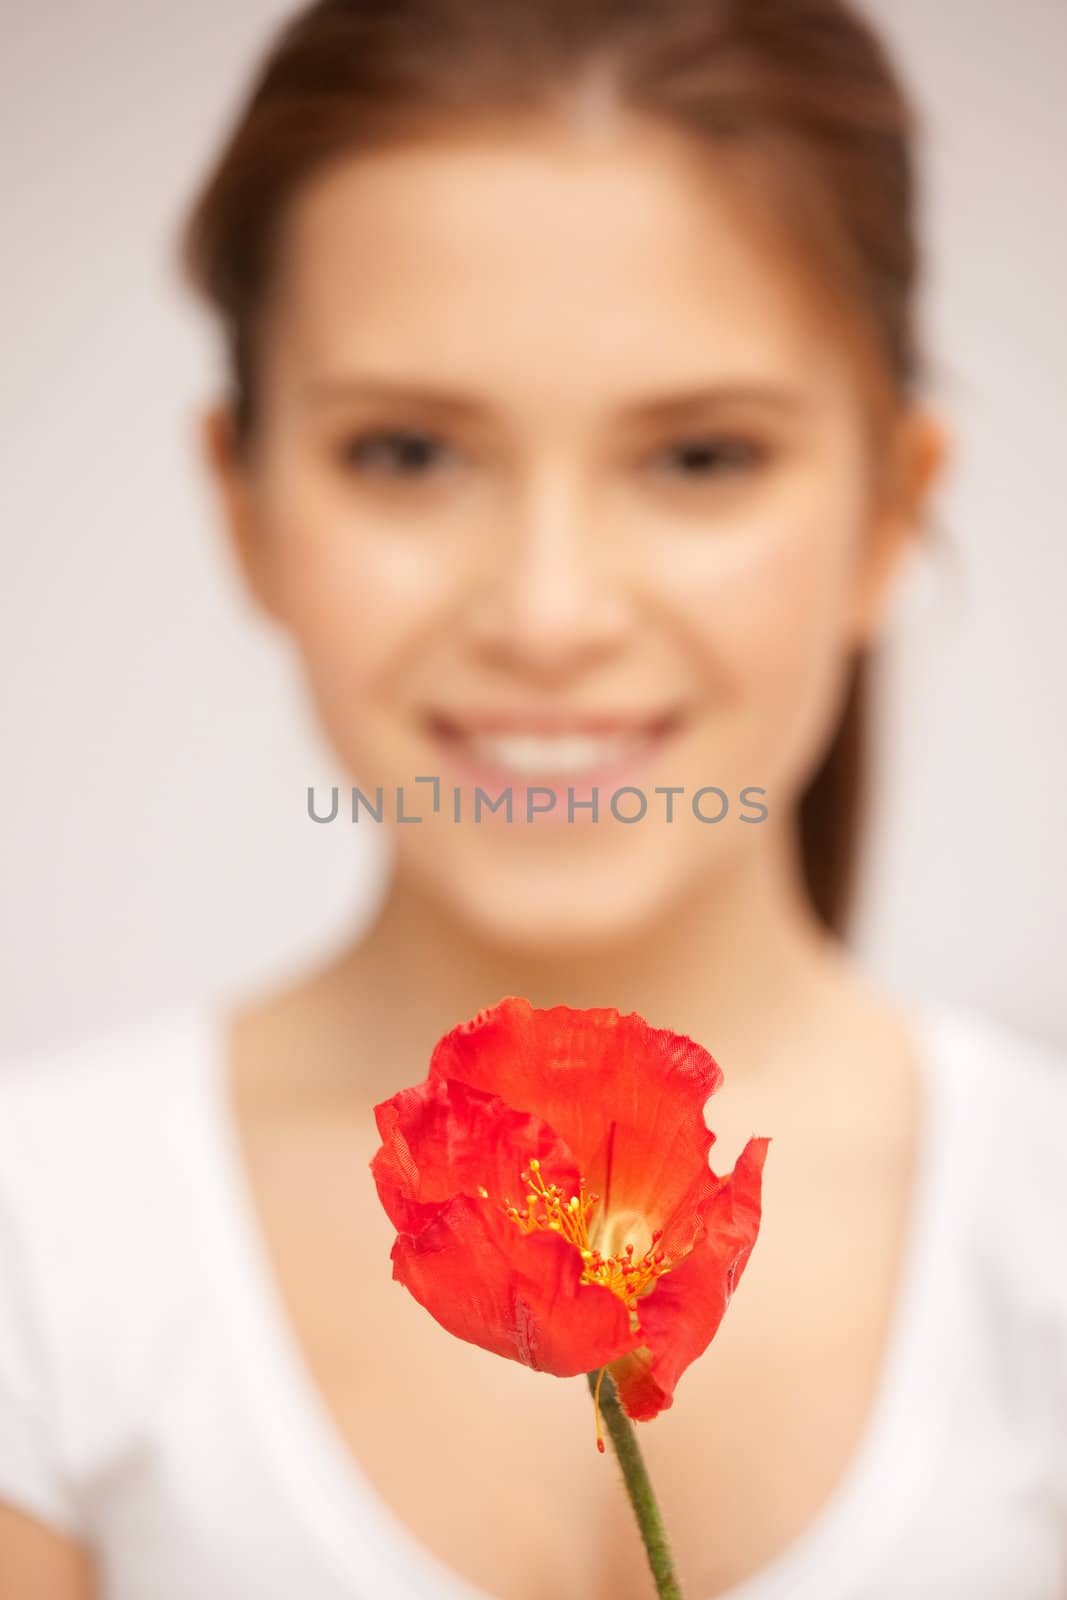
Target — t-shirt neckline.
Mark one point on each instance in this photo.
(365, 1539)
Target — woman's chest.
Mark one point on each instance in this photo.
(493, 1467)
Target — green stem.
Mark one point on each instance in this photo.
(638, 1487)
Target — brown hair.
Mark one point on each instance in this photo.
(804, 82)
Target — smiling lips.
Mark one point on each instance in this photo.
(544, 744)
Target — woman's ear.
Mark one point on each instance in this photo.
(916, 455)
(248, 539)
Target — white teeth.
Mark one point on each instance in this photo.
(533, 753)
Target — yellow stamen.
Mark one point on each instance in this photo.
(546, 1208)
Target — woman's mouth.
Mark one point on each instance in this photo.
(533, 755)
(602, 754)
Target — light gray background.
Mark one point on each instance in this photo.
(155, 846)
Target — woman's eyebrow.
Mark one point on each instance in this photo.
(669, 406)
(677, 406)
(354, 387)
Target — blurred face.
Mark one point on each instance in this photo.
(566, 480)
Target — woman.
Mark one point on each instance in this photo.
(576, 440)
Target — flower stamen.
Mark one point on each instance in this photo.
(548, 1208)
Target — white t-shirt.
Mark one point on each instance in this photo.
(154, 1400)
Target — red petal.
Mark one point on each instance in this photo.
(443, 1138)
(680, 1316)
(514, 1293)
(628, 1099)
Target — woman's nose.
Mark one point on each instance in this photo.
(550, 597)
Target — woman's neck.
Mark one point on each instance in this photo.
(741, 966)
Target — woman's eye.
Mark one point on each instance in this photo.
(396, 452)
(713, 456)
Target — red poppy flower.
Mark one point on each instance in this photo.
(550, 1186)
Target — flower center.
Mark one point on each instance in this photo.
(548, 1207)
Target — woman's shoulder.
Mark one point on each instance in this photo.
(1002, 1217)
(89, 1105)
(99, 1254)
(1004, 1102)
(1015, 1077)
(92, 1132)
